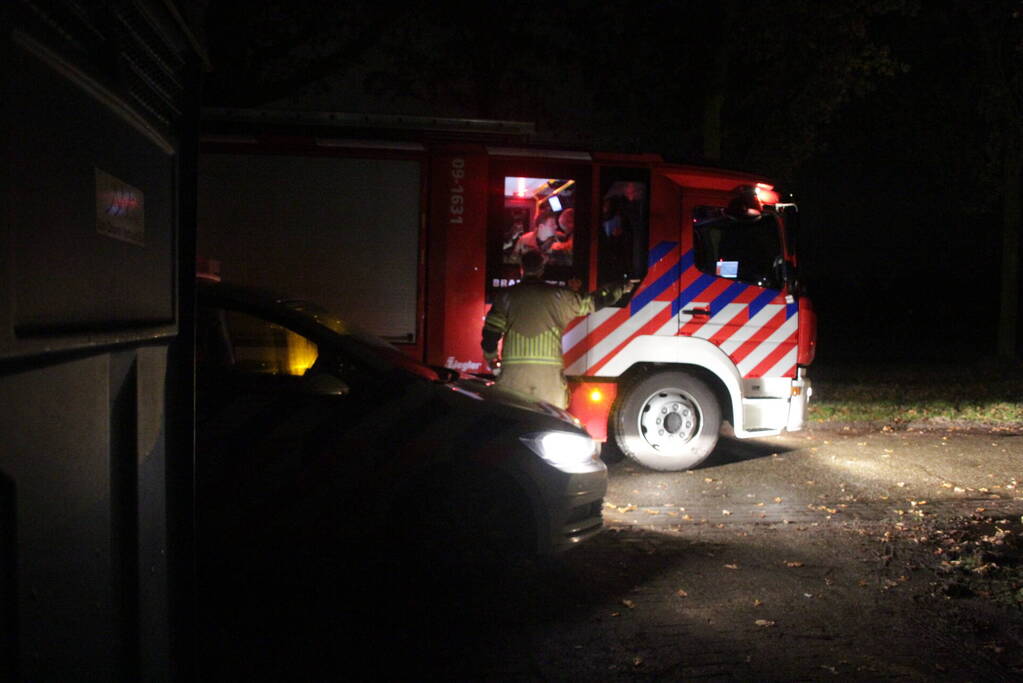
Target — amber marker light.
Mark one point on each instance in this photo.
(596, 395)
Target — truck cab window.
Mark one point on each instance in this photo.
(537, 207)
(749, 251)
(622, 241)
(539, 215)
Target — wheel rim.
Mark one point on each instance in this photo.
(669, 419)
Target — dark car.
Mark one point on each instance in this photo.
(317, 439)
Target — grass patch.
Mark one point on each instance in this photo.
(989, 393)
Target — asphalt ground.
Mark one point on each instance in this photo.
(812, 556)
(814, 477)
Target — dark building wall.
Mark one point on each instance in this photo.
(96, 209)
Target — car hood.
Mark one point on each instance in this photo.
(493, 395)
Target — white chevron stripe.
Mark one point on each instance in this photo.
(785, 365)
(749, 329)
(578, 367)
(670, 328)
(767, 346)
(714, 325)
(624, 331)
(579, 332)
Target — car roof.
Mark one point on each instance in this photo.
(242, 294)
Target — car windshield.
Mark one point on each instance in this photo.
(383, 352)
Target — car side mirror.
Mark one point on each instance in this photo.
(324, 384)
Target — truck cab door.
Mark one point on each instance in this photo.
(622, 253)
(734, 294)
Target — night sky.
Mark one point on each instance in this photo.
(897, 125)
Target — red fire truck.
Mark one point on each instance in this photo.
(408, 227)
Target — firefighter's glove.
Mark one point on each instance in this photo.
(493, 362)
(609, 294)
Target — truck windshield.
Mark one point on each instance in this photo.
(749, 251)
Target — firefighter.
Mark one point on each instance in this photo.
(540, 239)
(530, 317)
(561, 248)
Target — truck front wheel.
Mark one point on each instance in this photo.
(668, 421)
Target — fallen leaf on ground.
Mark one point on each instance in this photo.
(793, 564)
(764, 622)
(731, 566)
(681, 593)
(629, 603)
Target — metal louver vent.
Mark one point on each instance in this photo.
(152, 70)
(123, 44)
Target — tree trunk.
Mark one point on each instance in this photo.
(1012, 216)
(712, 126)
(714, 103)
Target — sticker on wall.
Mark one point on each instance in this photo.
(120, 209)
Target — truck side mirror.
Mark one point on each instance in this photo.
(790, 277)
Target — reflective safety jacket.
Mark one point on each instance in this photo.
(531, 317)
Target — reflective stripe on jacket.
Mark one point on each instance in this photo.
(531, 317)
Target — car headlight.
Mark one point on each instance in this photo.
(569, 452)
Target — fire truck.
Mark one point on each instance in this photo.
(408, 227)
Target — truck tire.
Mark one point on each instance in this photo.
(668, 421)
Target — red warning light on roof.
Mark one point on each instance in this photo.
(766, 193)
